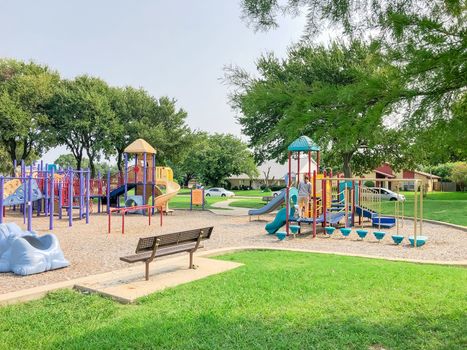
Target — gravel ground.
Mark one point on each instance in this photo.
(91, 250)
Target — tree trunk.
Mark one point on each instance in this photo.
(120, 160)
(11, 149)
(79, 160)
(347, 157)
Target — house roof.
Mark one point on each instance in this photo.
(384, 174)
(140, 146)
(277, 170)
(303, 144)
(427, 174)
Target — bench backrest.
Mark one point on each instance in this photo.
(170, 239)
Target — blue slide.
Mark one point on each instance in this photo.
(271, 206)
(280, 218)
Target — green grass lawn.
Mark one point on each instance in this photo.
(252, 203)
(252, 193)
(442, 206)
(278, 300)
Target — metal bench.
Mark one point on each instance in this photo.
(149, 248)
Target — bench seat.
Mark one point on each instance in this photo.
(149, 248)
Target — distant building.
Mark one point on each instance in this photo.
(271, 174)
(385, 172)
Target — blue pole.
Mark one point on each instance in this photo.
(52, 199)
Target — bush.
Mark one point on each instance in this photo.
(442, 170)
(369, 183)
(459, 174)
(266, 189)
(277, 188)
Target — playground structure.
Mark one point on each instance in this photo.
(57, 193)
(338, 201)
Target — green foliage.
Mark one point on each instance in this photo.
(213, 158)
(338, 96)
(83, 120)
(25, 90)
(459, 174)
(275, 300)
(442, 170)
(69, 161)
(369, 183)
(425, 39)
(158, 121)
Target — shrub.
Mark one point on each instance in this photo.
(459, 174)
(369, 183)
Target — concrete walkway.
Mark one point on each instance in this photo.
(227, 210)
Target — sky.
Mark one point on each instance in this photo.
(175, 48)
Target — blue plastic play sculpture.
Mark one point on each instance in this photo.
(329, 230)
(26, 253)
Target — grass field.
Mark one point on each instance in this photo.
(442, 206)
(278, 300)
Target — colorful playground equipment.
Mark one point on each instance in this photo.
(338, 201)
(52, 192)
(153, 186)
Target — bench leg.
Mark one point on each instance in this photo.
(147, 271)
(191, 261)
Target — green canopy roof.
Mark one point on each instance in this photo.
(303, 144)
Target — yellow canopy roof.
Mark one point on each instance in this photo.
(140, 146)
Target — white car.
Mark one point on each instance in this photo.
(218, 192)
(385, 194)
(276, 193)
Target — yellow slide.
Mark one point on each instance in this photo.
(165, 178)
(10, 187)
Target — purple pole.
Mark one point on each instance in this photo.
(153, 181)
(98, 194)
(125, 176)
(80, 194)
(88, 195)
(60, 198)
(70, 198)
(52, 198)
(108, 191)
(46, 190)
(2, 182)
(30, 201)
(145, 168)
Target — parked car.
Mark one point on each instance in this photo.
(218, 192)
(276, 193)
(385, 194)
